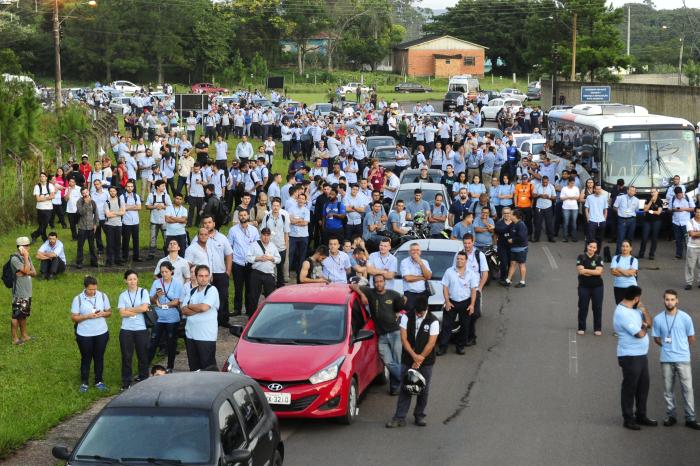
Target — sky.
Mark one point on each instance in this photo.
(660, 4)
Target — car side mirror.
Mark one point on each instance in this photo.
(236, 330)
(238, 456)
(60, 453)
(363, 335)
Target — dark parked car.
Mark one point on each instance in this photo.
(375, 141)
(449, 102)
(386, 156)
(412, 87)
(203, 418)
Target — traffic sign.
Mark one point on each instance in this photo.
(595, 94)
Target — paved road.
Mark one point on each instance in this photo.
(531, 391)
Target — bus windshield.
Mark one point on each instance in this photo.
(649, 158)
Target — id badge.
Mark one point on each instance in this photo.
(164, 306)
(667, 340)
(94, 310)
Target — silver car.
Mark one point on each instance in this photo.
(440, 255)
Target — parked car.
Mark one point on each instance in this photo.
(491, 109)
(412, 87)
(406, 192)
(322, 109)
(373, 142)
(120, 105)
(534, 90)
(449, 102)
(352, 88)
(512, 93)
(532, 147)
(313, 350)
(490, 95)
(203, 418)
(409, 174)
(439, 253)
(208, 88)
(386, 156)
(125, 86)
(495, 132)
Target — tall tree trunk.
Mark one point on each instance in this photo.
(329, 55)
(160, 69)
(300, 58)
(108, 70)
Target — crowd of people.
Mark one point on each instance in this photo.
(333, 220)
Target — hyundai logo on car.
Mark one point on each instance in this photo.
(275, 387)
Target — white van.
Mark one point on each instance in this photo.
(23, 79)
(466, 84)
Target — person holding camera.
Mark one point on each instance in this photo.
(22, 272)
(419, 333)
(165, 296)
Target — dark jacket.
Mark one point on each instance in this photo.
(418, 341)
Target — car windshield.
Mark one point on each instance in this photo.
(166, 434)
(407, 195)
(649, 158)
(299, 323)
(387, 141)
(384, 155)
(537, 148)
(439, 261)
(323, 107)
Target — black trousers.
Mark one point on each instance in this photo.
(619, 294)
(280, 269)
(43, 218)
(260, 282)
(220, 282)
(470, 328)
(52, 266)
(352, 230)
(590, 295)
(92, 349)
(169, 332)
(130, 341)
(545, 216)
(114, 236)
(89, 236)
(98, 236)
(181, 241)
(73, 222)
(58, 211)
(594, 232)
(286, 149)
(458, 314)
(527, 218)
(200, 354)
(130, 233)
(635, 386)
(195, 205)
(241, 285)
(404, 401)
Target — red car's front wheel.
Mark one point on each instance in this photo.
(351, 408)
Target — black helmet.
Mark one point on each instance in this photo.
(413, 382)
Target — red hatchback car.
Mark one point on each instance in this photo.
(207, 88)
(313, 350)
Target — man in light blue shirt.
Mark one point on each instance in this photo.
(52, 257)
(596, 215)
(544, 209)
(460, 285)
(336, 266)
(674, 333)
(175, 221)
(415, 273)
(299, 217)
(631, 321)
(201, 307)
(681, 206)
(626, 206)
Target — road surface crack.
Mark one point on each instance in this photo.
(500, 335)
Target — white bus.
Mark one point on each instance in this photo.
(614, 141)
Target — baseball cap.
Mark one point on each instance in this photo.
(85, 156)
(23, 241)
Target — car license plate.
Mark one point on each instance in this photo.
(279, 398)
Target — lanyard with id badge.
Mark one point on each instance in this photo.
(668, 338)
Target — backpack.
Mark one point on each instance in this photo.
(8, 275)
(194, 290)
(617, 259)
(673, 199)
(222, 215)
(414, 160)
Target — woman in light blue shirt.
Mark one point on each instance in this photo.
(624, 268)
(459, 184)
(89, 311)
(133, 334)
(476, 187)
(165, 296)
(505, 194)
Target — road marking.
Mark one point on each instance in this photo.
(573, 354)
(550, 258)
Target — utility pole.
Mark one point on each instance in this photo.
(57, 52)
(629, 17)
(573, 50)
(680, 65)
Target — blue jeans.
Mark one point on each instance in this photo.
(390, 352)
(679, 233)
(625, 231)
(682, 372)
(569, 217)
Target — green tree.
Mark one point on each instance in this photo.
(303, 20)
(258, 67)
(9, 62)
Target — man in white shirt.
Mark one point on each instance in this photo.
(157, 202)
(680, 206)
(175, 257)
(175, 221)
(277, 222)
(264, 259)
(195, 189)
(201, 306)
(336, 266)
(244, 150)
(383, 262)
(355, 208)
(241, 236)
(130, 222)
(415, 273)
(219, 255)
(299, 217)
(221, 152)
(692, 259)
(52, 257)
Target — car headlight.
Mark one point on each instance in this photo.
(232, 365)
(329, 372)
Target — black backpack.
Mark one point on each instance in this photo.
(223, 215)
(8, 275)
